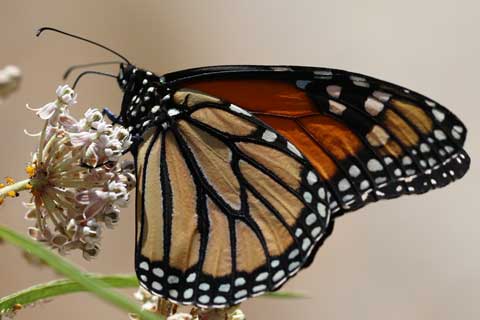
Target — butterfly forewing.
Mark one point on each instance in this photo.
(227, 207)
(368, 139)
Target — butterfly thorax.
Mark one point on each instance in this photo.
(146, 101)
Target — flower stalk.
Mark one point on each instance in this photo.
(12, 190)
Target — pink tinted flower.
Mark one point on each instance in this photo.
(78, 183)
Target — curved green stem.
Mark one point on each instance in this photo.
(98, 288)
(62, 286)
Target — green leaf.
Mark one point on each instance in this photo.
(98, 288)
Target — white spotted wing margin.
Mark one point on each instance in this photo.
(410, 144)
(229, 209)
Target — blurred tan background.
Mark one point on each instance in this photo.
(410, 258)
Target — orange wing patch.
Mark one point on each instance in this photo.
(333, 135)
(272, 96)
(416, 115)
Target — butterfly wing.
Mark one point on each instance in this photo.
(368, 139)
(227, 208)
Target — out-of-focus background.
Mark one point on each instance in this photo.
(410, 258)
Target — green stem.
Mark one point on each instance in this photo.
(17, 187)
(61, 287)
(64, 267)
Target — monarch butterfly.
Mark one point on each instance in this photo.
(242, 170)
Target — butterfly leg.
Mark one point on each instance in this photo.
(115, 119)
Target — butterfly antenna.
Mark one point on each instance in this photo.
(78, 66)
(41, 30)
(81, 75)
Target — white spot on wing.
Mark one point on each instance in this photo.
(439, 134)
(188, 293)
(156, 286)
(336, 108)
(373, 106)
(294, 149)
(377, 136)
(278, 275)
(321, 209)
(382, 96)
(259, 288)
(239, 110)
(204, 286)
(269, 136)
(456, 134)
(307, 196)
(364, 184)
(240, 294)
(262, 276)
(439, 115)
(424, 148)
(343, 185)
(173, 112)
(219, 300)
(334, 91)
(354, 171)
(310, 219)
(240, 282)
(158, 272)
(374, 165)
(306, 244)
(224, 287)
(173, 279)
(155, 109)
(311, 178)
(316, 231)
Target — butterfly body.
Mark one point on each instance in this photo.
(242, 169)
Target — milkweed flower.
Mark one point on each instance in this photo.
(76, 179)
(10, 77)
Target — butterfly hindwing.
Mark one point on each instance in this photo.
(227, 208)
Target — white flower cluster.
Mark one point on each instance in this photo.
(78, 183)
(9, 80)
